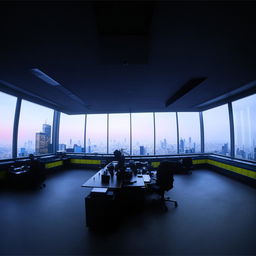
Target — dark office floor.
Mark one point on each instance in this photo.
(216, 215)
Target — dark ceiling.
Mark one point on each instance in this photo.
(124, 56)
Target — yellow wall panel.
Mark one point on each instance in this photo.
(85, 161)
(155, 164)
(53, 164)
(228, 167)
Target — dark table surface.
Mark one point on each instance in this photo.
(114, 181)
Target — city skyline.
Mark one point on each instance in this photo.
(186, 146)
(215, 121)
(42, 143)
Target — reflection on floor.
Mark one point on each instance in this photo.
(216, 215)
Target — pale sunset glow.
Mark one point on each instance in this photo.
(133, 133)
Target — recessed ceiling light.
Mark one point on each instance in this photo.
(40, 74)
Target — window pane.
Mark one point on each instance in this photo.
(119, 132)
(217, 130)
(7, 105)
(71, 133)
(96, 134)
(35, 129)
(244, 112)
(142, 134)
(166, 133)
(189, 132)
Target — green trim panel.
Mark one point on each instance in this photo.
(85, 161)
(228, 167)
(3, 174)
(199, 161)
(155, 164)
(53, 164)
(242, 171)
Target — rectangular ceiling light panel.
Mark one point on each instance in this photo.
(41, 75)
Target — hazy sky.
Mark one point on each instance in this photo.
(216, 125)
(32, 118)
(245, 121)
(119, 131)
(189, 125)
(71, 127)
(7, 105)
(166, 127)
(96, 129)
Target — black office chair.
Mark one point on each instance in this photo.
(187, 164)
(164, 182)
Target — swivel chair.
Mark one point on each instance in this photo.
(187, 164)
(164, 182)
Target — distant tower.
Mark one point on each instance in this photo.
(47, 130)
(42, 143)
(165, 143)
(182, 146)
(189, 142)
(225, 149)
(62, 147)
(142, 150)
(77, 149)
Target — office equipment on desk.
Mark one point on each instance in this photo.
(146, 178)
(105, 178)
(122, 189)
(99, 191)
(115, 181)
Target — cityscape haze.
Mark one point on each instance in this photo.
(34, 131)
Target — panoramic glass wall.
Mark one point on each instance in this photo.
(119, 133)
(71, 133)
(7, 106)
(166, 133)
(189, 132)
(35, 129)
(96, 133)
(244, 113)
(217, 130)
(147, 137)
(142, 134)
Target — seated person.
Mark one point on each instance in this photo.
(37, 170)
(119, 157)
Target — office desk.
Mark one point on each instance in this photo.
(136, 181)
(107, 199)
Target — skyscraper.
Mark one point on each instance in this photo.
(47, 130)
(62, 147)
(182, 146)
(142, 150)
(77, 149)
(42, 143)
(225, 149)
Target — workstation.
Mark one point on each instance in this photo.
(122, 183)
(99, 99)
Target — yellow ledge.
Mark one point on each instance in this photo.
(228, 167)
(85, 161)
(53, 164)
